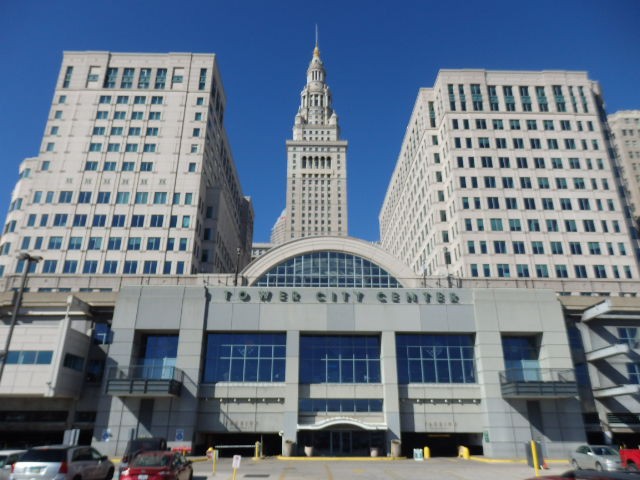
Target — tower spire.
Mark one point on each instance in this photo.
(316, 51)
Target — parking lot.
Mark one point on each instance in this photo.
(376, 469)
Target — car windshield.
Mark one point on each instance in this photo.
(48, 455)
(153, 460)
(604, 451)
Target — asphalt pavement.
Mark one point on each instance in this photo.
(273, 468)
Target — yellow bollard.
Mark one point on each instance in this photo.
(213, 455)
(463, 452)
(534, 454)
(427, 452)
(256, 455)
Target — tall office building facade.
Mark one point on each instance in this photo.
(134, 176)
(625, 127)
(316, 202)
(508, 175)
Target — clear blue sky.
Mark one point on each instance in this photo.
(377, 55)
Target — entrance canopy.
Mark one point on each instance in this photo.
(342, 421)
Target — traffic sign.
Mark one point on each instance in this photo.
(236, 461)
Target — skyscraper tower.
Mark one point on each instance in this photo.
(316, 165)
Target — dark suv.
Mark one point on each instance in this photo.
(140, 445)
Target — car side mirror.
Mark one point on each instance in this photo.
(104, 458)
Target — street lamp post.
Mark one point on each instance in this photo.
(14, 316)
(235, 278)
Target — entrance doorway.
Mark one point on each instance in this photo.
(342, 443)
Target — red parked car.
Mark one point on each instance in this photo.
(158, 465)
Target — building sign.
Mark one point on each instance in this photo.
(311, 295)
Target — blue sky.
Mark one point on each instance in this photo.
(377, 56)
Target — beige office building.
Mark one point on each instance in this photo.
(625, 127)
(508, 175)
(134, 176)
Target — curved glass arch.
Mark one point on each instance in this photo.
(328, 269)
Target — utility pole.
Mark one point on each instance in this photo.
(29, 259)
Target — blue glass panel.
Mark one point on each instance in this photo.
(435, 358)
(44, 357)
(12, 358)
(28, 357)
(246, 357)
(339, 359)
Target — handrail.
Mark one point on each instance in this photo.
(145, 372)
(537, 375)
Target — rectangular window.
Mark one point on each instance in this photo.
(339, 359)
(150, 267)
(137, 221)
(153, 243)
(145, 78)
(114, 243)
(161, 78)
(142, 198)
(156, 220)
(134, 243)
(90, 266)
(104, 197)
(518, 247)
(118, 221)
(110, 267)
(130, 267)
(245, 357)
(79, 220)
(49, 266)
(99, 220)
(70, 266)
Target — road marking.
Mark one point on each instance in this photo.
(329, 474)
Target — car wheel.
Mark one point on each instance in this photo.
(575, 465)
(599, 467)
(632, 466)
(191, 475)
(109, 474)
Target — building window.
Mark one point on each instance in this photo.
(245, 357)
(137, 221)
(110, 267)
(49, 266)
(70, 266)
(435, 358)
(130, 267)
(339, 359)
(90, 266)
(29, 357)
(134, 243)
(150, 267)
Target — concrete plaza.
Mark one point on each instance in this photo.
(374, 469)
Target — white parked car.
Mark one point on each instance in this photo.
(62, 462)
(8, 458)
(598, 457)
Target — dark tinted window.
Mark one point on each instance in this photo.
(48, 455)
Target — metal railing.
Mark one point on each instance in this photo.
(146, 372)
(537, 375)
